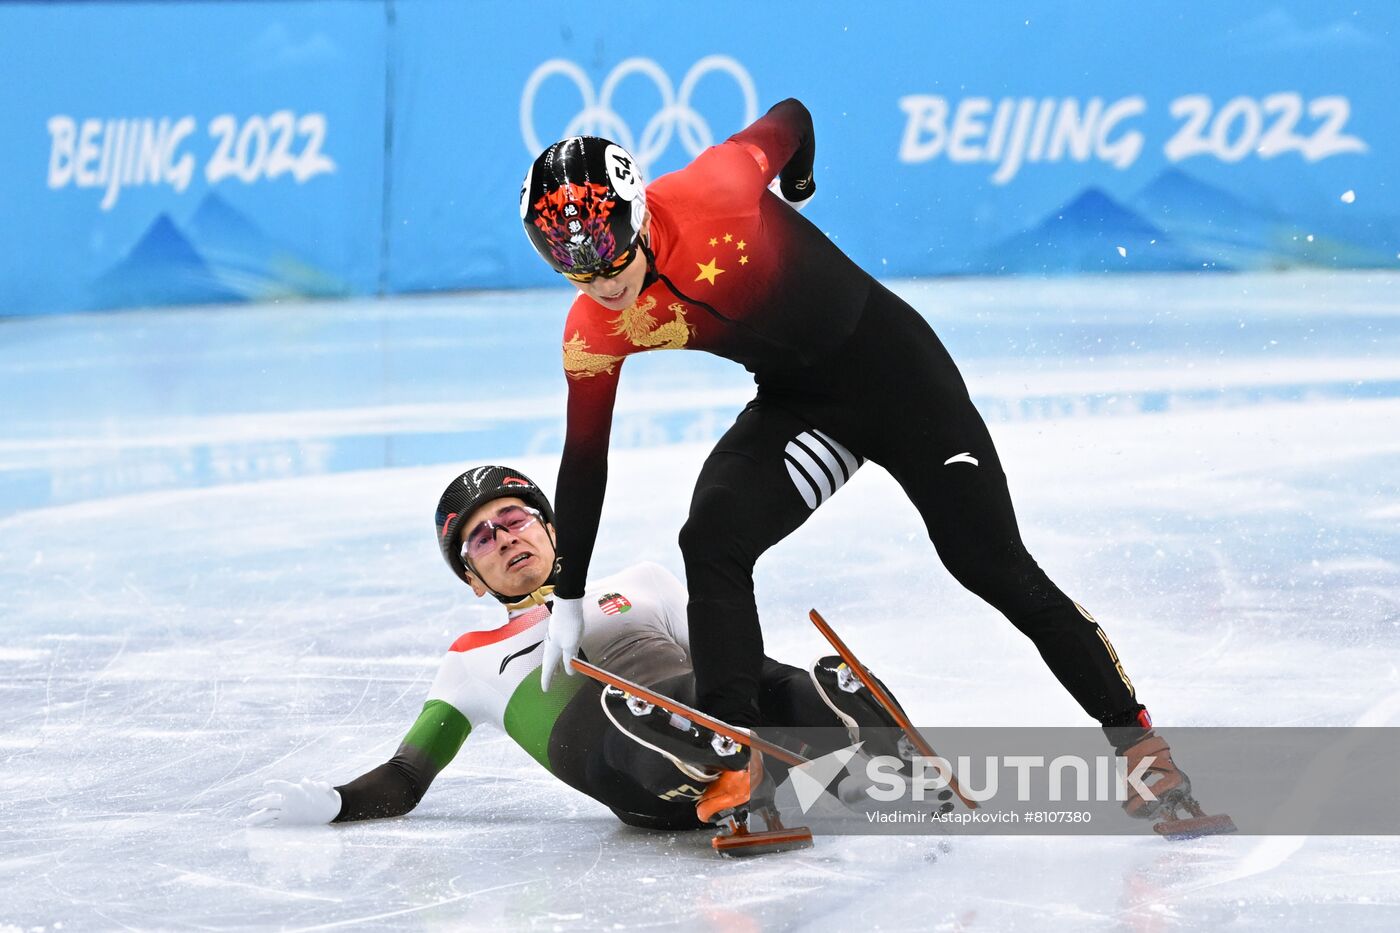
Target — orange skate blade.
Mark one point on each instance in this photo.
(1194, 826)
(742, 843)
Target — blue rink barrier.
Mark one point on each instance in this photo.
(171, 153)
(206, 152)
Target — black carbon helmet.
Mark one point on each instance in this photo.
(582, 204)
(467, 492)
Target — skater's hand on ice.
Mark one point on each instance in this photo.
(798, 194)
(309, 803)
(561, 644)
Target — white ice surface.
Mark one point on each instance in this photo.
(216, 569)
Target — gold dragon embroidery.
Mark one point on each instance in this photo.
(641, 330)
(579, 363)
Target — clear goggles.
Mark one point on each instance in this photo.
(512, 519)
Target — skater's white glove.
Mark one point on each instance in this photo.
(797, 195)
(308, 803)
(565, 633)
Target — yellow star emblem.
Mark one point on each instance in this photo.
(728, 238)
(708, 271)
(714, 242)
(743, 260)
(742, 244)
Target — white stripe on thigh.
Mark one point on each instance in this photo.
(804, 486)
(818, 466)
(804, 458)
(850, 460)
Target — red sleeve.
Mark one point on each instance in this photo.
(583, 474)
(781, 142)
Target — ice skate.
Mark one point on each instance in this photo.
(722, 753)
(857, 673)
(1177, 814)
(697, 751)
(865, 719)
(740, 803)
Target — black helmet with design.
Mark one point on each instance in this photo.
(582, 204)
(467, 493)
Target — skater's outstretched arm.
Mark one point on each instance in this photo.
(392, 789)
(395, 787)
(583, 478)
(583, 471)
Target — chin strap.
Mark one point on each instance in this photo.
(652, 275)
(537, 598)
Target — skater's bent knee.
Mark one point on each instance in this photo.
(713, 513)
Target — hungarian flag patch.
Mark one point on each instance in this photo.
(613, 603)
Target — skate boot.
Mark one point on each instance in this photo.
(866, 721)
(747, 819)
(863, 716)
(1162, 777)
(1172, 788)
(730, 793)
(698, 752)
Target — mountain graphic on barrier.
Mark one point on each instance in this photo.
(250, 261)
(1177, 200)
(1086, 235)
(162, 268)
(220, 256)
(1178, 222)
(221, 228)
(1248, 235)
(1229, 229)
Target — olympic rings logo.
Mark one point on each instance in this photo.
(597, 117)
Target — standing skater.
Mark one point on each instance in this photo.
(709, 258)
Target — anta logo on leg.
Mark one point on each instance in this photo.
(964, 457)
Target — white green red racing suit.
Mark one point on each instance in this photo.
(634, 625)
